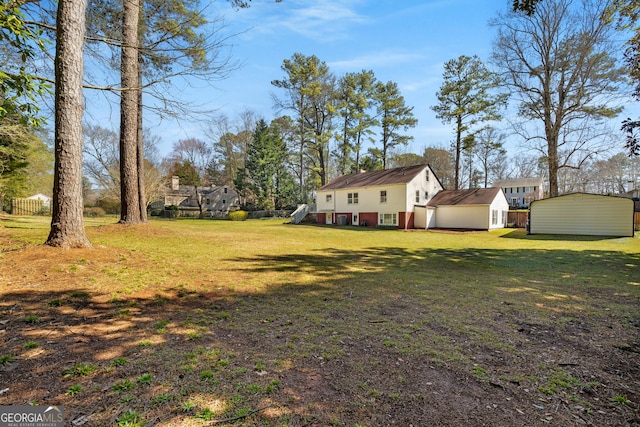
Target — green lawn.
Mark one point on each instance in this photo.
(267, 323)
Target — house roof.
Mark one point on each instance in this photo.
(474, 196)
(518, 182)
(401, 175)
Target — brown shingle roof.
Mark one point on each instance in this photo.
(474, 196)
(368, 179)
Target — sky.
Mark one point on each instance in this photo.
(404, 41)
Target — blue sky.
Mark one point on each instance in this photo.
(403, 41)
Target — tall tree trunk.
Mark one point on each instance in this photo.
(140, 148)
(67, 222)
(129, 192)
(456, 185)
(552, 161)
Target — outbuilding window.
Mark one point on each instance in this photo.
(328, 198)
(352, 198)
(383, 196)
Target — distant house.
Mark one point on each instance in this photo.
(216, 201)
(385, 198)
(582, 214)
(46, 200)
(521, 192)
(474, 209)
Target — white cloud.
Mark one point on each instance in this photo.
(376, 60)
(321, 20)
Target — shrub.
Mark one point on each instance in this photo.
(238, 216)
(171, 211)
(94, 212)
(110, 205)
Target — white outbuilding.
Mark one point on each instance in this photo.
(474, 209)
(582, 214)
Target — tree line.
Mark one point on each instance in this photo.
(556, 61)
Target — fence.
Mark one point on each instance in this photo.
(26, 206)
(517, 219)
(636, 221)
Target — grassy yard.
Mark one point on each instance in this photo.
(200, 322)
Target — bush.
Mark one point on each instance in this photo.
(171, 211)
(109, 205)
(94, 212)
(238, 216)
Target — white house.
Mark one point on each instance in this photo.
(387, 197)
(475, 209)
(522, 191)
(46, 200)
(582, 214)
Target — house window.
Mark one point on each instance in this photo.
(494, 217)
(208, 201)
(383, 196)
(514, 201)
(426, 195)
(417, 196)
(352, 198)
(328, 198)
(388, 219)
(224, 202)
(427, 175)
(225, 190)
(355, 219)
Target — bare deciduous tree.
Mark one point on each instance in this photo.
(558, 64)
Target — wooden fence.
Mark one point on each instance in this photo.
(26, 206)
(636, 221)
(517, 219)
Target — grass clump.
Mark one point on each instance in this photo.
(6, 359)
(144, 379)
(32, 318)
(122, 386)
(74, 390)
(620, 399)
(119, 361)
(79, 370)
(129, 419)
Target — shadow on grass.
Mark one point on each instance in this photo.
(354, 307)
(457, 264)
